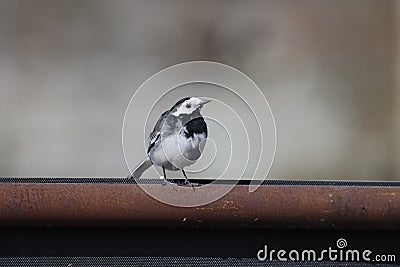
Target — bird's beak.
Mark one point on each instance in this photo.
(203, 102)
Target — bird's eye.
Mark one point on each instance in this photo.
(188, 105)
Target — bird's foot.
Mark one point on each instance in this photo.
(187, 182)
(166, 182)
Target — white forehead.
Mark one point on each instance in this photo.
(193, 100)
(183, 108)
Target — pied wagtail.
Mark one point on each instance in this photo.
(176, 138)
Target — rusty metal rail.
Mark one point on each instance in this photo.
(271, 206)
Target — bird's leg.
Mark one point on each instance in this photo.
(166, 181)
(165, 176)
(187, 180)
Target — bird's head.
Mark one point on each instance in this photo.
(188, 106)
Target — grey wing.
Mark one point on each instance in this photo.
(155, 135)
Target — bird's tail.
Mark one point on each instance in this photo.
(141, 168)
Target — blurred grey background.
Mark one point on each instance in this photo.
(330, 70)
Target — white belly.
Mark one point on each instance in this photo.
(177, 151)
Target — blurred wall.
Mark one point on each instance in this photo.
(396, 96)
(69, 68)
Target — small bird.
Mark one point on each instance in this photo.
(176, 138)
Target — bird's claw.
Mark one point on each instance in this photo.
(166, 182)
(187, 182)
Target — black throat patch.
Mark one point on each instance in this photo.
(196, 126)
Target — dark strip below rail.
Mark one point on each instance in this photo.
(118, 180)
